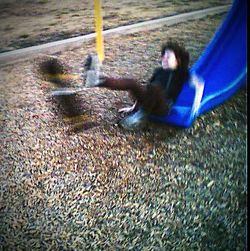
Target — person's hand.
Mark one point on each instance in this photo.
(196, 81)
(127, 109)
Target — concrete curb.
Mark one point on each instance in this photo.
(11, 57)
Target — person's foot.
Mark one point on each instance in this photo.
(135, 121)
(92, 63)
(92, 79)
(93, 67)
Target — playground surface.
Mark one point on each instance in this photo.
(26, 23)
(74, 180)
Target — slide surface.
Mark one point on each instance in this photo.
(222, 66)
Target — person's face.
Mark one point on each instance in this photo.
(169, 60)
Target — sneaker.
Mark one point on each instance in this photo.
(92, 63)
(93, 67)
(92, 79)
(137, 120)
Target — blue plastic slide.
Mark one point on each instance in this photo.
(222, 67)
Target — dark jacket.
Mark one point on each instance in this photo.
(171, 81)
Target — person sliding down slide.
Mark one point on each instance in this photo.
(154, 98)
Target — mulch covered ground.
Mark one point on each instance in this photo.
(72, 179)
(27, 23)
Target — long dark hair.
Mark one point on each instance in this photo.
(181, 53)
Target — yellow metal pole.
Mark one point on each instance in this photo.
(98, 30)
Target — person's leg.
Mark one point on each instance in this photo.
(138, 91)
(155, 101)
(150, 100)
(151, 97)
(137, 119)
